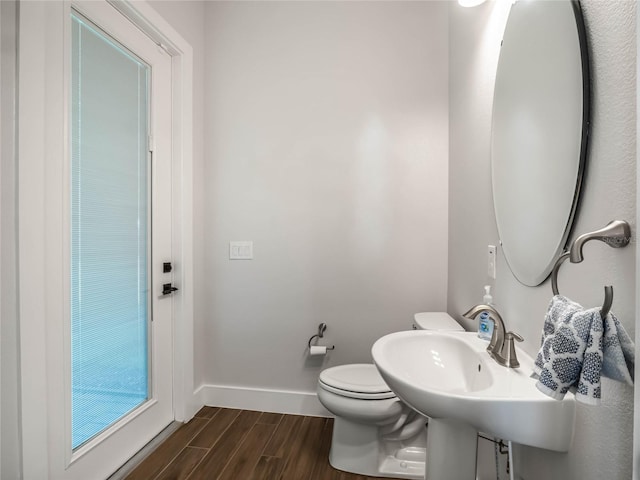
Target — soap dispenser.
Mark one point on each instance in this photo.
(485, 323)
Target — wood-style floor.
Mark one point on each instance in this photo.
(226, 444)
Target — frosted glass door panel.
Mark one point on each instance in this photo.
(110, 207)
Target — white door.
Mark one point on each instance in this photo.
(117, 387)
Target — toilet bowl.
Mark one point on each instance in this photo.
(374, 432)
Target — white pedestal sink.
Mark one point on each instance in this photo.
(449, 377)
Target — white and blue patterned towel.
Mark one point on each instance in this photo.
(578, 346)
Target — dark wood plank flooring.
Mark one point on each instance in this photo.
(227, 444)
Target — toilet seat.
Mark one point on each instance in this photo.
(361, 381)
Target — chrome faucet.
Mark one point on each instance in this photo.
(501, 347)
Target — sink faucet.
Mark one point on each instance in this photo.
(501, 347)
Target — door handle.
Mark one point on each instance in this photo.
(168, 289)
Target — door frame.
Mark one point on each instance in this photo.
(636, 387)
(42, 147)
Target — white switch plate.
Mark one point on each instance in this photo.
(491, 261)
(240, 250)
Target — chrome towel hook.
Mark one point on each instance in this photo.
(616, 234)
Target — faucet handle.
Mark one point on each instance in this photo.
(513, 336)
(509, 349)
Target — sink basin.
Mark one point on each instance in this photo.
(449, 375)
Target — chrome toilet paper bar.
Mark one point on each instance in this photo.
(321, 328)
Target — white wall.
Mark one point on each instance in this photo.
(326, 145)
(602, 446)
(9, 398)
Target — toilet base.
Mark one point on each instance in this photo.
(358, 448)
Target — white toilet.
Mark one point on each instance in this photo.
(374, 432)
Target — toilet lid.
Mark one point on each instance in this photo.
(362, 379)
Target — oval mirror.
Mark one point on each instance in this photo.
(539, 133)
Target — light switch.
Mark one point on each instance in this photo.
(240, 250)
(491, 261)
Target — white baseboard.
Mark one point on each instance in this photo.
(260, 399)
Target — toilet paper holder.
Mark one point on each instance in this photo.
(321, 328)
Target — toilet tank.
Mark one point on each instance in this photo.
(435, 321)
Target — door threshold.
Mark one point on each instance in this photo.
(144, 452)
